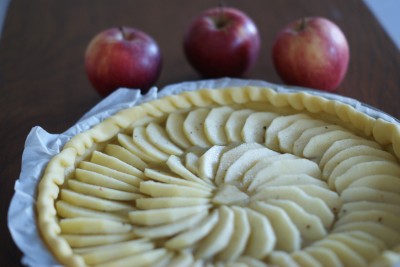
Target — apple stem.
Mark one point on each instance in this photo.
(302, 25)
(220, 23)
(121, 28)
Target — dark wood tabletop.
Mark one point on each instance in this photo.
(43, 82)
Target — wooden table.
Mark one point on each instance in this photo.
(43, 82)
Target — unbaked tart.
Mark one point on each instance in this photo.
(238, 176)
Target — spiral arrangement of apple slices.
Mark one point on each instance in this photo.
(232, 185)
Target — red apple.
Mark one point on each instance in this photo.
(222, 41)
(311, 52)
(122, 57)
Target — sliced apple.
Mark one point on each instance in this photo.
(127, 142)
(279, 123)
(160, 138)
(125, 155)
(209, 161)
(156, 189)
(194, 234)
(364, 169)
(219, 237)
(388, 183)
(163, 216)
(239, 238)
(235, 172)
(193, 127)
(174, 129)
(230, 156)
(289, 166)
(148, 258)
(93, 226)
(365, 205)
(305, 137)
(169, 202)
(235, 123)
(288, 135)
(79, 241)
(304, 259)
(280, 258)
(323, 255)
(354, 194)
(255, 126)
(297, 179)
(287, 235)
(310, 226)
(141, 140)
(214, 125)
(312, 205)
(341, 145)
(331, 198)
(167, 230)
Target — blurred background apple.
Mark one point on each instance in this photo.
(222, 41)
(311, 52)
(122, 57)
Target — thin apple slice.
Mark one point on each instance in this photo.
(364, 169)
(93, 226)
(175, 165)
(305, 137)
(214, 125)
(310, 226)
(365, 205)
(318, 144)
(282, 259)
(349, 152)
(162, 216)
(169, 178)
(127, 142)
(167, 230)
(388, 183)
(251, 262)
(141, 140)
(194, 234)
(331, 198)
(114, 163)
(182, 259)
(156, 189)
(287, 235)
(125, 155)
(279, 123)
(169, 202)
(174, 129)
(159, 138)
(235, 123)
(255, 126)
(239, 238)
(368, 238)
(148, 258)
(367, 250)
(91, 202)
(323, 255)
(209, 161)
(340, 145)
(289, 166)
(288, 135)
(348, 163)
(249, 175)
(346, 255)
(310, 204)
(191, 159)
(219, 237)
(228, 194)
(387, 235)
(68, 210)
(102, 192)
(230, 156)
(97, 179)
(100, 254)
(354, 194)
(235, 171)
(193, 127)
(304, 259)
(124, 177)
(79, 241)
(383, 217)
(298, 179)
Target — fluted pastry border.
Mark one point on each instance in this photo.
(56, 172)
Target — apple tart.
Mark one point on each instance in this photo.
(239, 176)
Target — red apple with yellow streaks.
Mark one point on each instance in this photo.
(311, 52)
(122, 57)
(222, 41)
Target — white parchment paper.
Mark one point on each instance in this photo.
(41, 146)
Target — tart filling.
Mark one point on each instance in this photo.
(236, 176)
